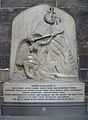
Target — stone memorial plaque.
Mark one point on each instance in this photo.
(43, 66)
(41, 92)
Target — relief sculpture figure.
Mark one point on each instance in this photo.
(45, 53)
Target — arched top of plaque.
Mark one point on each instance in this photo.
(31, 21)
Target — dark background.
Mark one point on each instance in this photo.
(76, 8)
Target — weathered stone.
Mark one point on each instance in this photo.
(83, 75)
(4, 48)
(41, 118)
(0, 3)
(84, 2)
(1, 92)
(84, 61)
(5, 33)
(4, 61)
(34, 2)
(83, 31)
(68, 3)
(61, 3)
(4, 75)
(86, 89)
(21, 3)
(50, 2)
(7, 15)
(4, 16)
(26, 3)
(13, 3)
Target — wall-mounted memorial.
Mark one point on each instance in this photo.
(44, 70)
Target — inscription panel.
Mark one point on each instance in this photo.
(41, 92)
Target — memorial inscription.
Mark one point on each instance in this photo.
(44, 92)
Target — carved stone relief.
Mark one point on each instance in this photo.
(44, 45)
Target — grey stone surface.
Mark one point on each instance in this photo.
(69, 3)
(7, 15)
(84, 2)
(4, 75)
(1, 100)
(5, 48)
(5, 33)
(0, 3)
(4, 61)
(44, 109)
(61, 3)
(1, 87)
(21, 3)
(82, 63)
(41, 118)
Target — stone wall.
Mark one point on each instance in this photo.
(77, 8)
